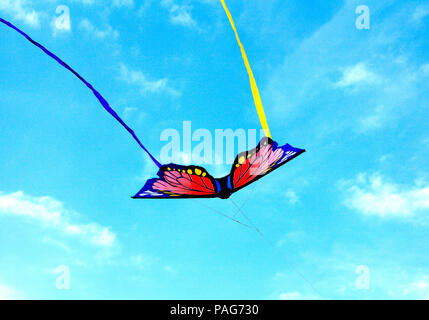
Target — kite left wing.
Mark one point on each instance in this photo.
(177, 181)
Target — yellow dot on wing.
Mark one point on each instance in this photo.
(190, 171)
(237, 165)
(204, 174)
(198, 171)
(241, 160)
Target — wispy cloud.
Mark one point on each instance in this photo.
(291, 197)
(372, 195)
(106, 4)
(421, 12)
(142, 261)
(55, 243)
(389, 277)
(122, 3)
(140, 80)
(149, 170)
(418, 289)
(424, 69)
(20, 10)
(84, 2)
(291, 237)
(373, 120)
(307, 84)
(179, 14)
(290, 296)
(51, 213)
(8, 293)
(107, 33)
(357, 75)
(128, 111)
(169, 269)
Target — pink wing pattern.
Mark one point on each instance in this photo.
(255, 163)
(179, 181)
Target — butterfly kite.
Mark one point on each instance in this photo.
(177, 181)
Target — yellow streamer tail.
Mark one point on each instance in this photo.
(253, 86)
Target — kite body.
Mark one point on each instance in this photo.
(177, 181)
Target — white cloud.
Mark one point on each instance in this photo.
(149, 170)
(290, 296)
(179, 14)
(114, 3)
(291, 237)
(421, 12)
(7, 293)
(301, 86)
(291, 197)
(139, 79)
(51, 213)
(372, 195)
(53, 242)
(169, 269)
(109, 32)
(19, 10)
(128, 111)
(372, 121)
(418, 289)
(357, 74)
(122, 3)
(424, 69)
(84, 2)
(142, 261)
(133, 113)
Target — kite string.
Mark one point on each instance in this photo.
(100, 98)
(252, 226)
(224, 215)
(253, 86)
(274, 247)
(245, 201)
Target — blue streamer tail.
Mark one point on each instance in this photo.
(100, 98)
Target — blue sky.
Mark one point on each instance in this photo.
(357, 100)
